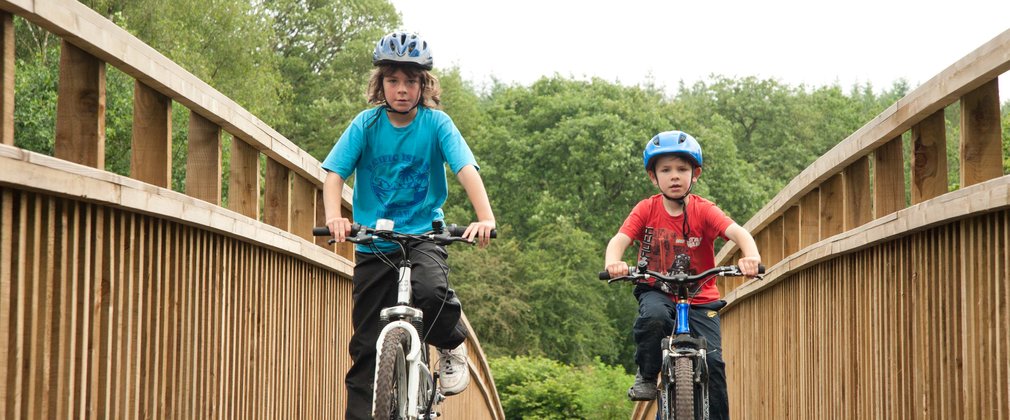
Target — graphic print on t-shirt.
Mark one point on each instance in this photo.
(399, 182)
(660, 248)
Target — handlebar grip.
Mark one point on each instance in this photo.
(320, 231)
(604, 275)
(761, 268)
(455, 230)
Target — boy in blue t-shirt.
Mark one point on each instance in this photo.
(398, 151)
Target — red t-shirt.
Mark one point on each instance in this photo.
(661, 237)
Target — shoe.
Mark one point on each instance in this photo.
(643, 389)
(453, 370)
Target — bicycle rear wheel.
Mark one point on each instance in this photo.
(391, 377)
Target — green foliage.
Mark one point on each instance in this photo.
(540, 388)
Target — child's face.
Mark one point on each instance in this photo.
(401, 91)
(673, 175)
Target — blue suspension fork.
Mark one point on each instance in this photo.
(683, 327)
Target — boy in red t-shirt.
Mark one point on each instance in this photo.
(666, 225)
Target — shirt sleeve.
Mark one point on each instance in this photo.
(344, 155)
(454, 149)
(634, 225)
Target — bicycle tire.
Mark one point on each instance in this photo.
(683, 377)
(391, 377)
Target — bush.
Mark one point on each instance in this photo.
(541, 388)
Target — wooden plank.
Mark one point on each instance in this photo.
(775, 243)
(203, 162)
(7, 293)
(833, 206)
(929, 160)
(7, 78)
(981, 155)
(277, 189)
(810, 218)
(244, 179)
(80, 108)
(151, 158)
(888, 178)
(791, 231)
(303, 206)
(858, 206)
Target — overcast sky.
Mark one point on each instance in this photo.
(630, 41)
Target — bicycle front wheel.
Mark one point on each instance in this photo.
(391, 377)
(683, 381)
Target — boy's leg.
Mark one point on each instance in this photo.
(443, 325)
(374, 289)
(705, 323)
(654, 322)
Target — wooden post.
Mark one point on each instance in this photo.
(929, 162)
(80, 108)
(203, 162)
(888, 179)
(791, 231)
(857, 194)
(981, 155)
(810, 218)
(151, 160)
(833, 206)
(303, 205)
(7, 78)
(277, 188)
(774, 252)
(244, 179)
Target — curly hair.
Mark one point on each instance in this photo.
(430, 89)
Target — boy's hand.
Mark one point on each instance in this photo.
(481, 231)
(617, 269)
(749, 265)
(340, 227)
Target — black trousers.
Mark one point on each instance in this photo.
(656, 320)
(375, 289)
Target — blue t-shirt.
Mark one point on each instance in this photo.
(400, 171)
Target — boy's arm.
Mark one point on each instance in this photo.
(751, 258)
(474, 186)
(333, 187)
(613, 262)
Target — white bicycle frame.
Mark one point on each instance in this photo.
(417, 370)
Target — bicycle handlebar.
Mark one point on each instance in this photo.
(364, 235)
(640, 273)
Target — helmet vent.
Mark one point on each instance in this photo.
(683, 138)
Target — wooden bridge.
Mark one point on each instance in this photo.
(120, 298)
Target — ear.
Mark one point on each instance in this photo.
(652, 177)
(697, 173)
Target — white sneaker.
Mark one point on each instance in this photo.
(454, 373)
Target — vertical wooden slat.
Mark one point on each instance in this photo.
(929, 160)
(303, 205)
(7, 294)
(244, 181)
(7, 78)
(858, 207)
(981, 155)
(151, 158)
(833, 206)
(321, 219)
(80, 108)
(278, 189)
(888, 178)
(203, 161)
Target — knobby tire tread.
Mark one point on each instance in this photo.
(387, 376)
(683, 373)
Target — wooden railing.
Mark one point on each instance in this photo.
(120, 298)
(872, 309)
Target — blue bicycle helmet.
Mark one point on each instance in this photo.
(402, 48)
(669, 142)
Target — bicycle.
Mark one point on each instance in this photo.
(404, 387)
(684, 373)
